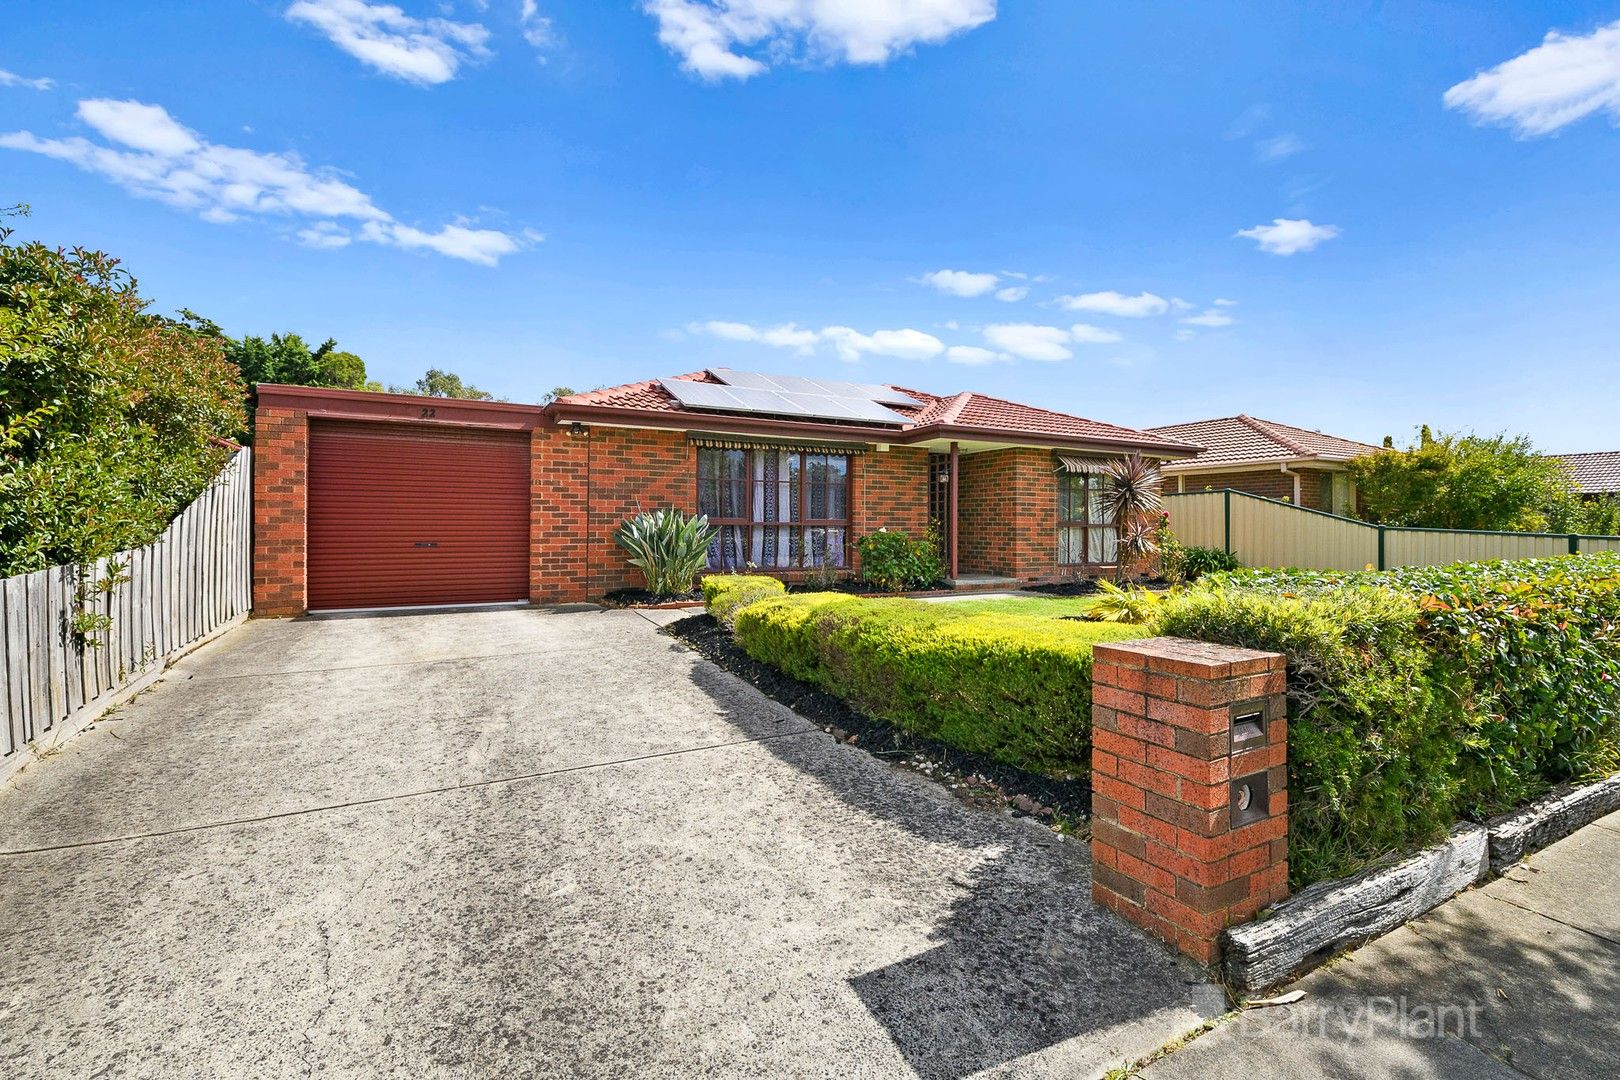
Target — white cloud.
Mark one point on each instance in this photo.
(383, 36)
(787, 336)
(1012, 294)
(849, 343)
(325, 234)
(1564, 79)
(973, 354)
(1086, 334)
(1030, 342)
(903, 344)
(960, 282)
(535, 27)
(713, 38)
(152, 155)
(1221, 301)
(1287, 236)
(11, 78)
(1278, 147)
(1211, 318)
(1113, 303)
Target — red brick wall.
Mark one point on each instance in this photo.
(1165, 852)
(889, 490)
(631, 471)
(1007, 513)
(280, 457)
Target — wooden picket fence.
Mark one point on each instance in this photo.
(155, 602)
(1265, 532)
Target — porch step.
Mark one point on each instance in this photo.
(982, 583)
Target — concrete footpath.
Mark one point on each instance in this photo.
(1518, 978)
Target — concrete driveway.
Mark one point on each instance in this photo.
(534, 843)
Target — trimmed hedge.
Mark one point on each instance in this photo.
(1013, 687)
(1425, 695)
(726, 594)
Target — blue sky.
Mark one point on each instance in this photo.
(544, 192)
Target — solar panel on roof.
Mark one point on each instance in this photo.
(798, 384)
(699, 395)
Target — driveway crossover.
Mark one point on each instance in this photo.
(534, 843)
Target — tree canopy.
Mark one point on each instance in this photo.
(111, 419)
(1466, 482)
(286, 358)
(443, 384)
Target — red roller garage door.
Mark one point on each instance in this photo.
(402, 515)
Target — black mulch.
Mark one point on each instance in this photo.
(1024, 791)
(1080, 587)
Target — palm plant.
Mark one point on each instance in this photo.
(669, 548)
(1133, 502)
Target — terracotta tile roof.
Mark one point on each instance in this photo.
(973, 410)
(1235, 440)
(1596, 473)
(966, 410)
(646, 394)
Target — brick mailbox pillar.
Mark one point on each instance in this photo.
(1189, 777)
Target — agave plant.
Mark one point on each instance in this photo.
(1132, 500)
(669, 548)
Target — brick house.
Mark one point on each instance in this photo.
(1263, 457)
(383, 500)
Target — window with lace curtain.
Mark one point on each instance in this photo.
(776, 509)
(1086, 536)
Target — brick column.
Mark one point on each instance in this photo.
(280, 498)
(1189, 774)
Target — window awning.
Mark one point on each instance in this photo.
(1089, 466)
(744, 442)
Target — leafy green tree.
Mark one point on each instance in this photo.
(443, 384)
(110, 418)
(286, 358)
(557, 392)
(1465, 482)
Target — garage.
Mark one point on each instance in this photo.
(402, 515)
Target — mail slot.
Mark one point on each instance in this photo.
(1248, 726)
(1250, 799)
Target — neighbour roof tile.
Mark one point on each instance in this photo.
(1234, 440)
(1596, 473)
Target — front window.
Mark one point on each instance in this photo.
(776, 509)
(1086, 536)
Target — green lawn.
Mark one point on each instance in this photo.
(1050, 606)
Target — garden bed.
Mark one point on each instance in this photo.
(982, 776)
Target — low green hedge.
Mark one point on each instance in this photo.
(1016, 688)
(1425, 695)
(726, 594)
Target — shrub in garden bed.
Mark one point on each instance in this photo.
(726, 594)
(1424, 695)
(1014, 688)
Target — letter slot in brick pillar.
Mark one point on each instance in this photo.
(1189, 771)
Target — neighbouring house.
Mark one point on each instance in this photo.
(1596, 474)
(381, 500)
(1263, 457)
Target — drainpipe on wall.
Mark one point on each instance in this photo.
(956, 525)
(1286, 471)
